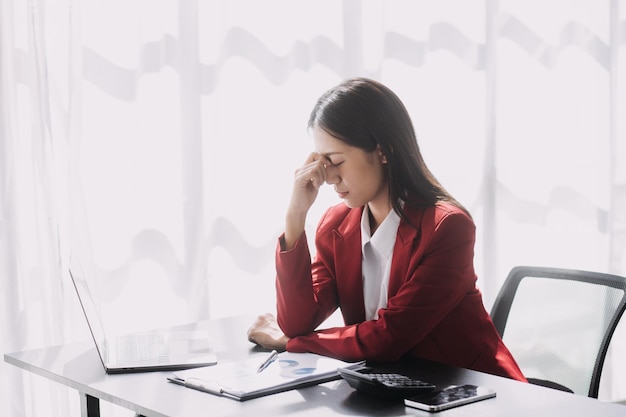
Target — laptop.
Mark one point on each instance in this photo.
(154, 350)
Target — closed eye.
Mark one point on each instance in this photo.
(334, 164)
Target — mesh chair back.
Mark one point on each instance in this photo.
(558, 323)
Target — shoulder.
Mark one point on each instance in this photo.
(437, 213)
(444, 211)
(439, 219)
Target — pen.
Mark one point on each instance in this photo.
(273, 356)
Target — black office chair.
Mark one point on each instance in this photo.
(558, 324)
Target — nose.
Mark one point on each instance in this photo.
(332, 176)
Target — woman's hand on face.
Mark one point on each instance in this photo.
(308, 180)
(266, 333)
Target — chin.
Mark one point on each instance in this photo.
(351, 205)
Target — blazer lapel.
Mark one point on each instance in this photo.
(347, 241)
(403, 249)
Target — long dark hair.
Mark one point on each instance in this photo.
(364, 113)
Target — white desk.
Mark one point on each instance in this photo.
(79, 367)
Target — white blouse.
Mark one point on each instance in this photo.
(377, 252)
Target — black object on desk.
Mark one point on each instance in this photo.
(450, 397)
(384, 384)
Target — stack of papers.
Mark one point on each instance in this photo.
(241, 380)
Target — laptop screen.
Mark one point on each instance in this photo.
(89, 307)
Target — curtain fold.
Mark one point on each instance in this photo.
(159, 147)
(33, 146)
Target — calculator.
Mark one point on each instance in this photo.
(390, 385)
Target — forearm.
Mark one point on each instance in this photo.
(294, 228)
(355, 342)
(302, 301)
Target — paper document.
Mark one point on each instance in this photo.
(243, 380)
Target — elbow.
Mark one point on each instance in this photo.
(383, 347)
(291, 328)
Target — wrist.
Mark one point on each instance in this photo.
(294, 228)
(283, 341)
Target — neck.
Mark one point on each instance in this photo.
(377, 215)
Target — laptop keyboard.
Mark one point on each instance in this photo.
(143, 348)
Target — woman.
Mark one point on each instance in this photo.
(396, 257)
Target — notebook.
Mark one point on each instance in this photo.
(253, 377)
(154, 350)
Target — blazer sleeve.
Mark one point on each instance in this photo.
(303, 301)
(434, 273)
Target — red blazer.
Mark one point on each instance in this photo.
(434, 309)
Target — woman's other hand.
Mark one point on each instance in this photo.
(266, 333)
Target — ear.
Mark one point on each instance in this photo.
(381, 155)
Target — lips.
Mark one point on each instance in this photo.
(342, 194)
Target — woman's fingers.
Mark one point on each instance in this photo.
(308, 179)
(313, 171)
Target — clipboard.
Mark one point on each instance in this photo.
(242, 381)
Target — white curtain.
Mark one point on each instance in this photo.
(156, 142)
